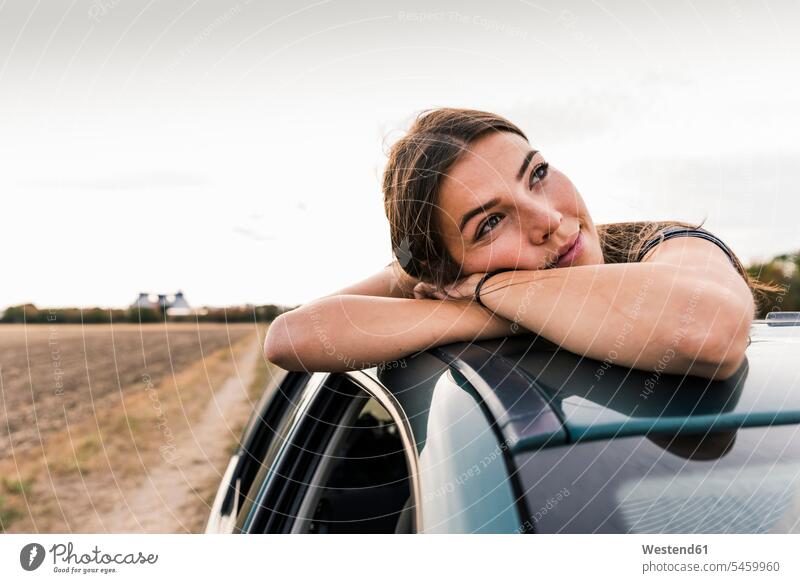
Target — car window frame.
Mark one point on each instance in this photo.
(302, 521)
(284, 386)
(389, 402)
(369, 385)
(266, 474)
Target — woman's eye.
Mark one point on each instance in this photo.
(487, 223)
(538, 173)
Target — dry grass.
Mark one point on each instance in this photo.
(81, 462)
(262, 375)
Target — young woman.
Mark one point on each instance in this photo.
(473, 207)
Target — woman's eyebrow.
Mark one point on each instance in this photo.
(476, 211)
(525, 163)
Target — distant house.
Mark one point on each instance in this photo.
(179, 306)
(144, 302)
(173, 305)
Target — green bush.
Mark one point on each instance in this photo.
(20, 314)
(142, 315)
(784, 271)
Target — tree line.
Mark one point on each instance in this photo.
(783, 271)
(30, 314)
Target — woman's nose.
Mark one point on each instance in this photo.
(543, 220)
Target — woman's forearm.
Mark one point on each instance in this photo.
(353, 332)
(644, 315)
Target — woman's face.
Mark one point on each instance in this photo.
(500, 205)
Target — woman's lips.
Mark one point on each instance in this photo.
(567, 258)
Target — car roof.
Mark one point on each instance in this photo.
(541, 395)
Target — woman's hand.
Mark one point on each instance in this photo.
(460, 290)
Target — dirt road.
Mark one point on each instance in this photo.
(141, 443)
(172, 494)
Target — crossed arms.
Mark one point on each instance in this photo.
(683, 308)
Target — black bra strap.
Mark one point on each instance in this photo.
(686, 232)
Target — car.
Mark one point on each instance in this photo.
(515, 435)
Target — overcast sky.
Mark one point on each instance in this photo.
(234, 150)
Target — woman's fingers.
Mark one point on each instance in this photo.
(423, 291)
(463, 289)
(456, 291)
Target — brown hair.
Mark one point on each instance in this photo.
(623, 243)
(412, 178)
